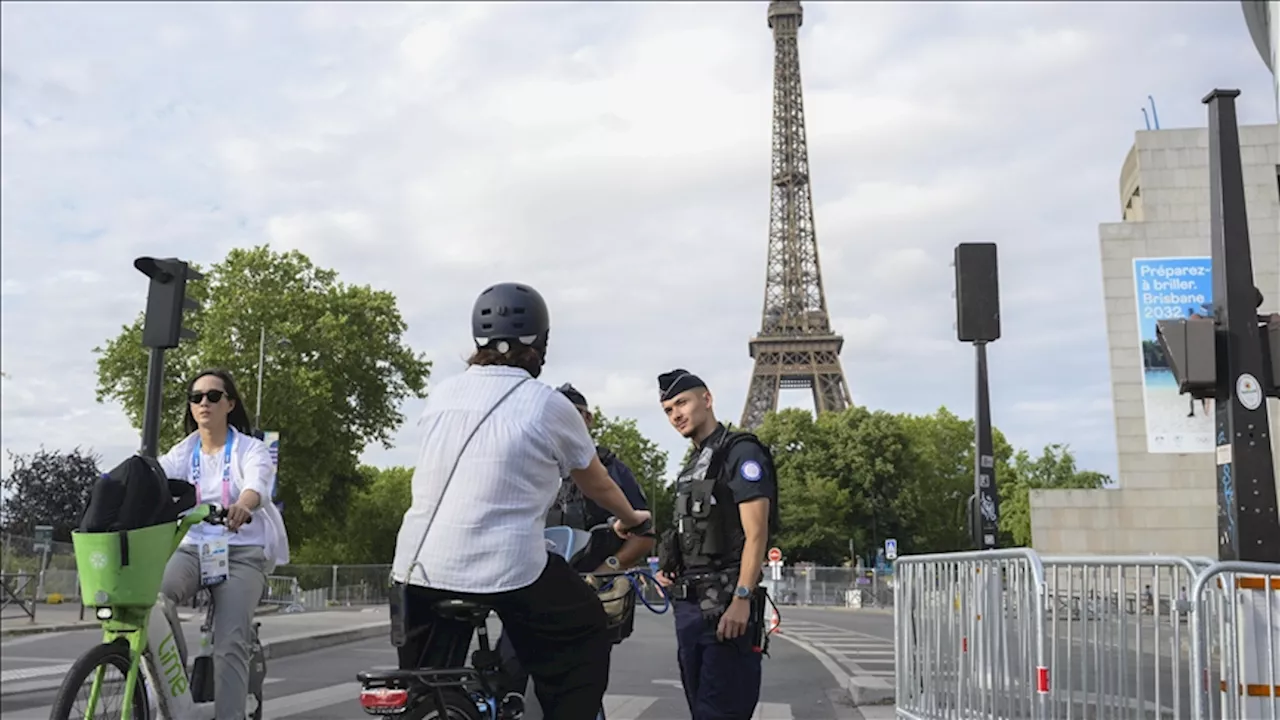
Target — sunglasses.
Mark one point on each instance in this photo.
(215, 396)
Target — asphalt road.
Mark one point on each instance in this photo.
(644, 683)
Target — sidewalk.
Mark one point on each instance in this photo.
(67, 616)
(37, 662)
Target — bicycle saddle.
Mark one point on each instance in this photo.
(463, 610)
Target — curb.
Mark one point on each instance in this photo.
(275, 649)
(183, 616)
(866, 690)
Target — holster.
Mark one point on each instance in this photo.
(398, 595)
(670, 559)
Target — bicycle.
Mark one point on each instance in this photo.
(471, 692)
(120, 573)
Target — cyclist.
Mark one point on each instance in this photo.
(571, 508)
(230, 467)
(509, 438)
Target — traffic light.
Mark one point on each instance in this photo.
(166, 300)
(1190, 346)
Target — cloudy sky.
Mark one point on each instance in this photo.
(614, 155)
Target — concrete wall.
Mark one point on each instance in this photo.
(1166, 503)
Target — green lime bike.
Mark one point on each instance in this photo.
(120, 576)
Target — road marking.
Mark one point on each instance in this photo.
(9, 676)
(773, 711)
(33, 637)
(616, 707)
(845, 653)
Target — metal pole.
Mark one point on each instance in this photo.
(1248, 524)
(987, 525)
(262, 354)
(154, 402)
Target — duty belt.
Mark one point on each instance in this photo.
(695, 585)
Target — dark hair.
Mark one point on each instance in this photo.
(520, 356)
(238, 418)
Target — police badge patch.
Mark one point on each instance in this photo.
(751, 471)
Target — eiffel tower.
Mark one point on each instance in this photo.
(795, 347)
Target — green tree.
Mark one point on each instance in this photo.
(647, 461)
(336, 387)
(816, 508)
(370, 523)
(1054, 469)
(938, 489)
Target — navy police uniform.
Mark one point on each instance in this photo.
(702, 553)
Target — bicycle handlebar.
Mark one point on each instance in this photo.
(218, 515)
(644, 529)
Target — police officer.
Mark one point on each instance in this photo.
(726, 507)
(608, 552)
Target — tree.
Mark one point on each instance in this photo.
(642, 455)
(48, 488)
(334, 389)
(370, 524)
(858, 477)
(1055, 469)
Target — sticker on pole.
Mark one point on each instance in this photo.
(1248, 392)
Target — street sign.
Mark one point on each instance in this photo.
(775, 554)
(891, 549)
(44, 539)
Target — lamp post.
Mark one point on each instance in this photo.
(262, 356)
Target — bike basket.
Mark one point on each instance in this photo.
(123, 569)
(619, 600)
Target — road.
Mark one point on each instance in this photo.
(644, 683)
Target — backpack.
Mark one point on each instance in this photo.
(135, 494)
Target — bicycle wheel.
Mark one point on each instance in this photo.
(110, 701)
(457, 706)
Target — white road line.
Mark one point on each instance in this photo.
(617, 707)
(767, 711)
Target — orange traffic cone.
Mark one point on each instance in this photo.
(774, 621)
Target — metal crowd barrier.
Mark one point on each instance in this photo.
(1009, 634)
(284, 592)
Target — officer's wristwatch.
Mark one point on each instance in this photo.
(741, 592)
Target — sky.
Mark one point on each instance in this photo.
(613, 155)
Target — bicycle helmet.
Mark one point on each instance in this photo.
(510, 312)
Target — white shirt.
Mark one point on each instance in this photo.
(487, 535)
(251, 469)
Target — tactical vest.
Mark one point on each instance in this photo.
(571, 507)
(703, 526)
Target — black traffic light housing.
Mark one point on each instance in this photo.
(166, 301)
(161, 330)
(1193, 346)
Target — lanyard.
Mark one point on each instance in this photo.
(226, 468)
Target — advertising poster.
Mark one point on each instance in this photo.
(1167, 289)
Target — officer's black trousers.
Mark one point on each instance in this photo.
(721, 679)
(556, 626)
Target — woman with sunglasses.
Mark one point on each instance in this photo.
(232, 468)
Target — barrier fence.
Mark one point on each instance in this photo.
(1010, 634)
(830, 586)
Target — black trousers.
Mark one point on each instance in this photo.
(556, 627)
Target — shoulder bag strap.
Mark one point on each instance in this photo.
(416, 562)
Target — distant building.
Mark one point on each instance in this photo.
(1263, 20)
(1166, 501)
